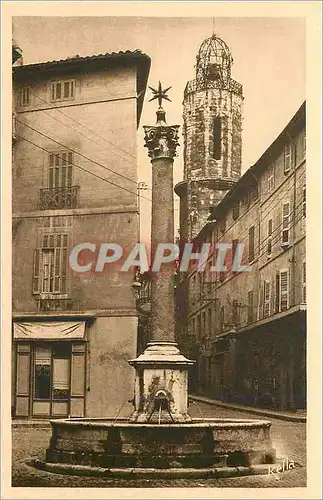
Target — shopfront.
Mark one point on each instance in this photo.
(50, 369)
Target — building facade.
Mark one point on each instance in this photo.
(74, 181)
(247, 328)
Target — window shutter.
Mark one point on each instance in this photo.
(57, 270)
(284, 290)
(251, 243)
(78, 370)
(287, 158)
(304, 282)
(235, 312)
(267, 290)
(22, 380)
(235, 210)
(269, 236)
(285, 223)
(303, 208)
(250, 306)
(36, 271)
(271, 178)
(277, 293)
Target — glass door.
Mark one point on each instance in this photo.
(52, 379)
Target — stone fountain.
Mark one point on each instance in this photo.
(160, 438)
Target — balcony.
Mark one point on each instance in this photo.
(57, 198)
(202, 84)
(56, 304)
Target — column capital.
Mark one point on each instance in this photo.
(161, 139)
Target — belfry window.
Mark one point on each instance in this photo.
(216, 153)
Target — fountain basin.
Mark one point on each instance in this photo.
(198, 444)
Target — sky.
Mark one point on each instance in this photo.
(268, 60)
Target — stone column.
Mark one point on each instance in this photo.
(161, 371)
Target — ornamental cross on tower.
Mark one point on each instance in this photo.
(160, 94)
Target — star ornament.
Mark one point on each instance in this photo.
(160, 94)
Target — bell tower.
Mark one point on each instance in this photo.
(212, 112)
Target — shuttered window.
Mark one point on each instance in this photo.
(234, 250)
(286, 224)
(63, 90)
(25, 97)
(287, 158)
(284, 290)
(236, 210)
(271, 178)
(235, 312)
(277, 292)
(50, 265)
(251, 243)
(60, 172)
(267, 298)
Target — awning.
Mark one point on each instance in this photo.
(49, 330)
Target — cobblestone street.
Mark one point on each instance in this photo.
(289, 439)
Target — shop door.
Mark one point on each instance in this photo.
(51, 380)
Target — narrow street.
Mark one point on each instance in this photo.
(289, 439)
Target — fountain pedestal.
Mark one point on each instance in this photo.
(161, 384)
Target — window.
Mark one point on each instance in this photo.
(250, 306)
(204, 324)
(251, 243)
(304, 282)
(235, 312)
(63, 90)
(199, 326)
(193, 327)
(222, 225)
(254, 194)
(210, 326)
(50, 264)
(277, 292)
(267, 297)
(60, 172)
(25, 96)
(245, 200)
(287, 158)
(193, 289)
(235, 210)
(43, 372)
(271, 178)
(222, 318)
(284, 290)
(269, 237)
(52, 371)
(216, 153)
(285, 223)
(234, 249)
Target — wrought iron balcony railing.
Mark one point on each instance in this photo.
(55, 198)
(52, 304)
(194, 85)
